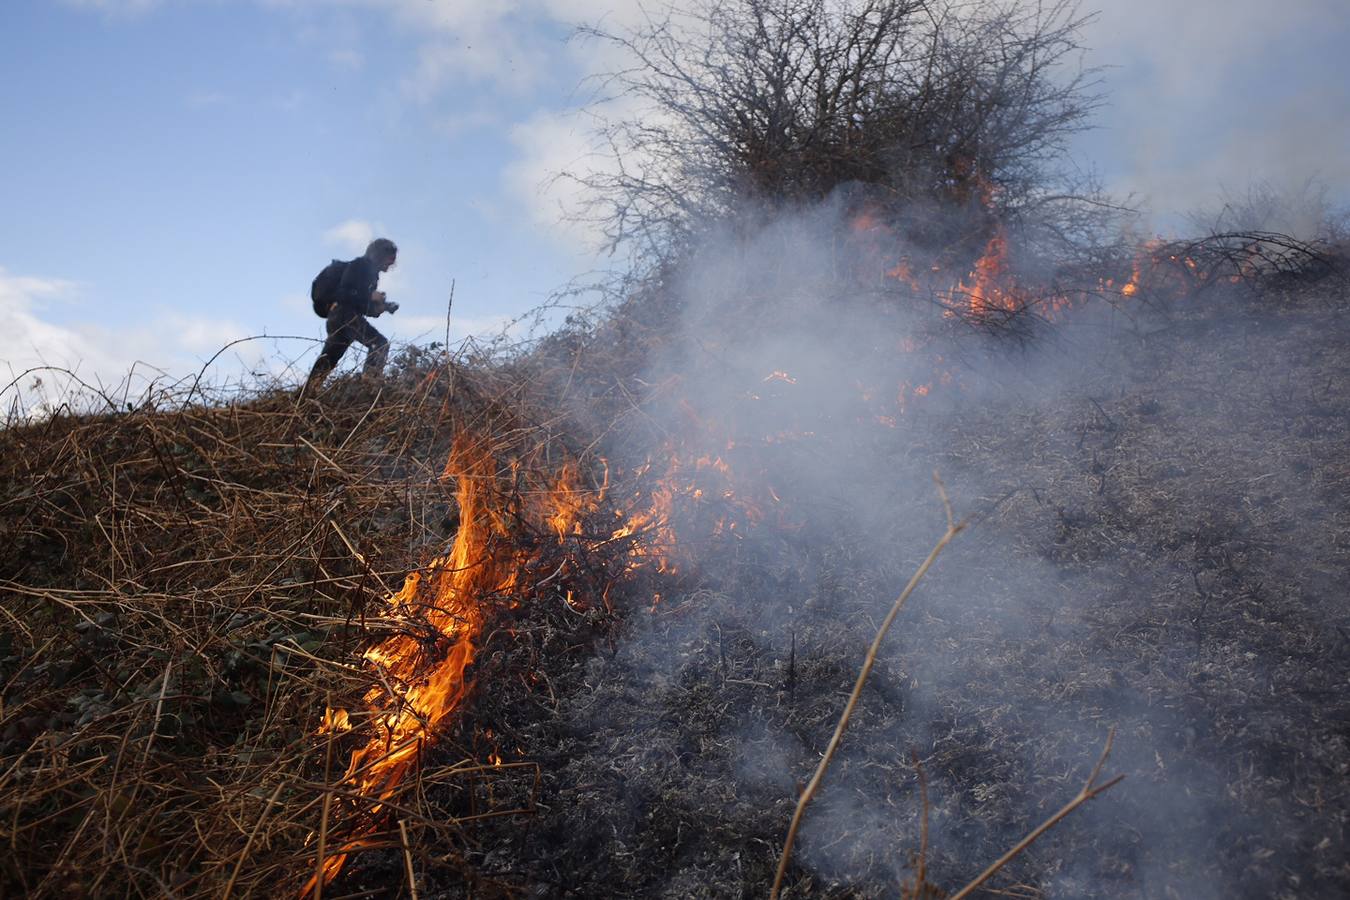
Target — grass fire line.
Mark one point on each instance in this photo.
(421, 672)
(421, 685)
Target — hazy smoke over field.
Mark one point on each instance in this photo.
(1061, 613)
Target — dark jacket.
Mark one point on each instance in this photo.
(358, 281)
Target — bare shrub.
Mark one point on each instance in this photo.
(747, 107)
(1306, 211)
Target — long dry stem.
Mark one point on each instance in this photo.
(323, 819)
(1089, 790)
(953, 529)
(407, 858)
(248, 845)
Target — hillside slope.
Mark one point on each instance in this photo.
(1160, 544)
(1160, 548)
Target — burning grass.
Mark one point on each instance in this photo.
(186, 593)
(254, 645)
(1158, 555)
(186, 704)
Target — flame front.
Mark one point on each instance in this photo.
(991, 287)
(423, 670)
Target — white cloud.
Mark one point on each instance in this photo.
(120, 362)
(352, 236)
(27, 339)
(509, 59)
(553, 148)
(502, 42)
(1208, 96)
(513, 45)
(507, 45)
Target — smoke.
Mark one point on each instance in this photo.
(1105, 577)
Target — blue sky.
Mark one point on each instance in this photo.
(175, 171)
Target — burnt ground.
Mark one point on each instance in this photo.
(1162, 547)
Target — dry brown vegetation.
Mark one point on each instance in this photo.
(183, 590)
(187, 590)
(184, 593)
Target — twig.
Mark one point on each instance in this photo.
(1110, 422)
(323, 819)
(361, 558)
(357, 427)
(953, 529)
(248, 845)
(407, 858)
(1089, 790)
(449, 305)
(159, 712)
(323, 456)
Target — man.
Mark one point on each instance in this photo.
(355, 298)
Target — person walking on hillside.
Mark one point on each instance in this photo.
(348, 299)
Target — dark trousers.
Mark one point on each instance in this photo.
(345, 326)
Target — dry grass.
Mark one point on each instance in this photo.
(184, 591)
(188, 589)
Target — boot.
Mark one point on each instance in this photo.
(316, 376)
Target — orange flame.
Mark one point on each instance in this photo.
(335, 721)
(987, 291)
(423, 672)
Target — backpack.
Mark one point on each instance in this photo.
(323, 292)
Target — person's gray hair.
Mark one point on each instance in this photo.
(381, 247)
